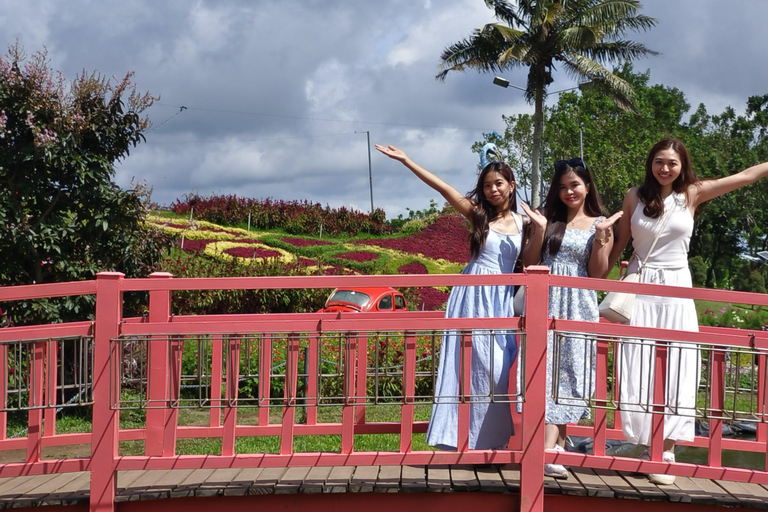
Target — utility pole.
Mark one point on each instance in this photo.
(370, 175)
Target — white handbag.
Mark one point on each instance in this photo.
(617, 306)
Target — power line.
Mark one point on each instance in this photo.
(328, 120)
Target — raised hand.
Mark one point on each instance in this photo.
(603, 229)
(392, 152)
(537, 218)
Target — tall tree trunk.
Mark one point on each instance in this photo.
(538, 128)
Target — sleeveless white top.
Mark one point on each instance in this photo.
(671, 250)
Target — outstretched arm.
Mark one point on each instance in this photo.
(623, 229)
(711, 189)
(463, 205)
(601, 247)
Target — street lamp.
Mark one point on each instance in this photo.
(503, 82)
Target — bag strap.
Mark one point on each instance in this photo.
(667, 215)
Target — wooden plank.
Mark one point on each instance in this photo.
(266, 481)
(464, 479)
(217, 481)
(695, 493)
(338, 480)
(571, 486)
(31, 496)
(552, 485)
(242, 484)
(621, 488)
(745, 494)
(75, 491)
(438, 478)
(593, 484)
(291, 481)
(25, 484)
(648, 490)
(163, 486)
(364, 479)
(510, 473)
(413, 479)
(143, 485)
(315, 481)
(389, 479)
(720, 495)
(490, 479)
(189, 485)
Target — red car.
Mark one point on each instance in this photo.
(364, 299)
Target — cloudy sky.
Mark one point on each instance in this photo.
(279, 93)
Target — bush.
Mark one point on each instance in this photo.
(295, 217)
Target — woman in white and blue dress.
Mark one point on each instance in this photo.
(667, 201)
(573, 238)
(495, 243)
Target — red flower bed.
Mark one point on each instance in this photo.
(250, 252)
(413, 268)
(303, 242)
(446, 238)
(196, 245)
(357, 256)
(430, 299)
(306, 261)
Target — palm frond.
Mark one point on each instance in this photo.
(577, 38)
(580, 67)
(617, 51)
(506, 12)
(480, 51)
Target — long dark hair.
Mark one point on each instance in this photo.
(650, 191)
(556, 211)
(484, 212)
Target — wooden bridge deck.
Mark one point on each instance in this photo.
(73, 488)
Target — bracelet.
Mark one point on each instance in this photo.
(602, 241)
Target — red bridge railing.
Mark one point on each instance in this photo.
(91, 363)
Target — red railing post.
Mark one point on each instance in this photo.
(289, 393)
(35, 414)
(349, 351)
(233, 384)
(409, 392)
(536, 323)
(659, 398)
(104, 440)
(158, 383)
(601, 397)
(717, 403)
(216, 380)
(51, 379)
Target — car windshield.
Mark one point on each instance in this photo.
(355, 297)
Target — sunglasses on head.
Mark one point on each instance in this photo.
(573, 162)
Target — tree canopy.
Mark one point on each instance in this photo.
(63, 218)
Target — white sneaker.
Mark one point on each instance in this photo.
(660, 478)
(556, 470)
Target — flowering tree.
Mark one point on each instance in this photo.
(61, 215)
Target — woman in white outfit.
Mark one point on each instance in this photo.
(665, 204)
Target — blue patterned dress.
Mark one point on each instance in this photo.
(490, 423)
(576, 379)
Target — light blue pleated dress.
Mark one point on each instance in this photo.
(490, 424)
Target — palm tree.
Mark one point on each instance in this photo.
(579, 35)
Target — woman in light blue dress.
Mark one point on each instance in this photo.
(573, 238)
(495, 242)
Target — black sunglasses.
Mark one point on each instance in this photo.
(573, 162)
